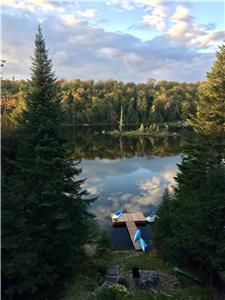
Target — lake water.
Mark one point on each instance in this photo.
(127, 173)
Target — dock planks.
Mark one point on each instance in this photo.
(130, 220)
(131, 227)
(136, 217)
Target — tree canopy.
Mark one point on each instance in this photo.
(89, 102)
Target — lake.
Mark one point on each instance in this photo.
(128, 173)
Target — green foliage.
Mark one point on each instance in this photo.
(151, 261)
(116, 292)
(193, 293)
(210, 116)
(44, 211)
(190, 229)
(104, 240)
(117, 103)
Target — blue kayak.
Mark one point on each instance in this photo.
(143, 244)
(137, 235)
(117, 214)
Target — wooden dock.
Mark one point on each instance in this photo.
(130, 220)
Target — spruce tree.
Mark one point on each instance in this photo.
(190, 229)
(194, 213)
(45, 218)
(210, 116)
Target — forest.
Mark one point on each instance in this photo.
(45, 211)
(99, 103)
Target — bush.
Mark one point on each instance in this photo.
(116, 292)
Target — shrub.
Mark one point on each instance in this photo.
(116, 292)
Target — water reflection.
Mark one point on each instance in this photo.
(128, 173)
(135, 184)
(109, 147)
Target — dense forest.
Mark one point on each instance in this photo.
(45, 216)
(99, 103)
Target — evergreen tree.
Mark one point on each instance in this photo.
(190, 228)
(45, 218)
(211, 105)
(194, 213)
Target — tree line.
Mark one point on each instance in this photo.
(100, 103)
(45, 219)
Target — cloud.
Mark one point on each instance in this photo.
(70, 20)
(156, 13)
(137, 188)
(177, 25)
(80, 50)
(88, 13)
(154, 20)
(185, 30)
(31, 5)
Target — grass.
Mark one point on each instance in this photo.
(146, 261)
(193, 293)
(78, 290)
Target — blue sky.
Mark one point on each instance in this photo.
(128, 40)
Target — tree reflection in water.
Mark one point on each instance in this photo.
(128, 173)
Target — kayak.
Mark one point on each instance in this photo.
(137, 235)
(151, 218)
(117, 214)
(143, 244)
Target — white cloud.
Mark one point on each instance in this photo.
(157, 13)
(88, 13)
(178, 26)
(126, 4)
(154, 21)
(181, 14)
(30, 5)
(86, 52)
(70, 20)
(109, 52)
(185, 30)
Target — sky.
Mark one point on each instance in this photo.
(127, 40)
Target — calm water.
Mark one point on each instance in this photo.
(128, 173)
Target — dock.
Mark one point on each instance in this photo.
(130, 220)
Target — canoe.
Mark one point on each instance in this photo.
(117, 214)
(189, 275)
(143, 245)
(137, 235)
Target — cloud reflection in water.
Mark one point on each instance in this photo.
(135, 184)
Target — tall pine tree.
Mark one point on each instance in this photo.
(45, 218)
(194, 213)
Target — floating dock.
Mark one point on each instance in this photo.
(130, 220)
